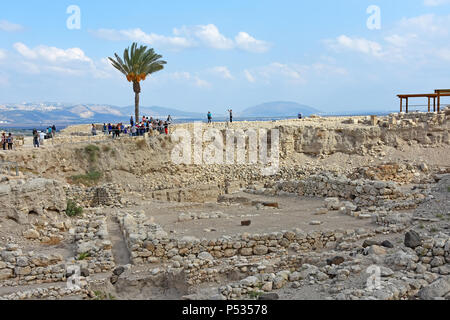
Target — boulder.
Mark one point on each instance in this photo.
(31, 234)
(336, 261)
(437, 289)
(260, 250)
(269, 296)
(387, 244)
(412, 239)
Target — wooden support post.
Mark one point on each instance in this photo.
(434, 104)
(429, 107)
(439, 103)
(401, 104)
(407, 105)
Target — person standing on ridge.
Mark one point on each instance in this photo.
(3, 141)
(10, 141)
(131, 121)
(35, 139)
(231, 115)
(209, 117)
(41, 138)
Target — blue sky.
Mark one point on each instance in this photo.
(227, 53)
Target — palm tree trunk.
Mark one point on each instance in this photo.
(137, 91)
(136, 107)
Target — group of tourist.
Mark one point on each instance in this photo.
(7, 141)
(40, 136)
(135, 129)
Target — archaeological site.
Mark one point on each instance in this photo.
(353, 208)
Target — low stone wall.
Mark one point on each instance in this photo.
(200, 194)
(17, 268)
(51, 293)
(106, 195)
(362, 192)
(148, 242)
(93, 247)
(434, 255)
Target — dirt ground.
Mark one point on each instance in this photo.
(293, 212)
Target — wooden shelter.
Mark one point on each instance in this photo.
(436, 96)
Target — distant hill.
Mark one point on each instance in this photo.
(47, 113)
(278, 109)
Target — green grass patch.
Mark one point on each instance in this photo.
(83, 256)
(72, 209)
(89, 179)
(99, 295)
(255, 294)
(440, 216)
(92, 151)
(448, 188)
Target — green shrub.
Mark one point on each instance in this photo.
(89, 179)
(92, 152)
(255, 294)
(99, 295)
(83, 256)
(72, 209)
(106, 148)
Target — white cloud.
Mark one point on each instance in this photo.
(429, 24)
(186, 37)
(209, 35)
(361, 45)
(250, 78)
(274, 72)
(140, 36)
(72, 61)
(9, 26)
(246, 42)
(293, 73)
(435, 3)
(188, 78)
(222, 72)
(51, 54)
(2, 54)
(402, 41)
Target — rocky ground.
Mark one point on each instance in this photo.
(359, 209)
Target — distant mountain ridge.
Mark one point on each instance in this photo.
(48, 113)
(63, 114)
(278, 109)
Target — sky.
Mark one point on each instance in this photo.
(347, 55)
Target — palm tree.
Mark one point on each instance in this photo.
(136, 65)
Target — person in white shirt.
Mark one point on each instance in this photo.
(41, 138)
